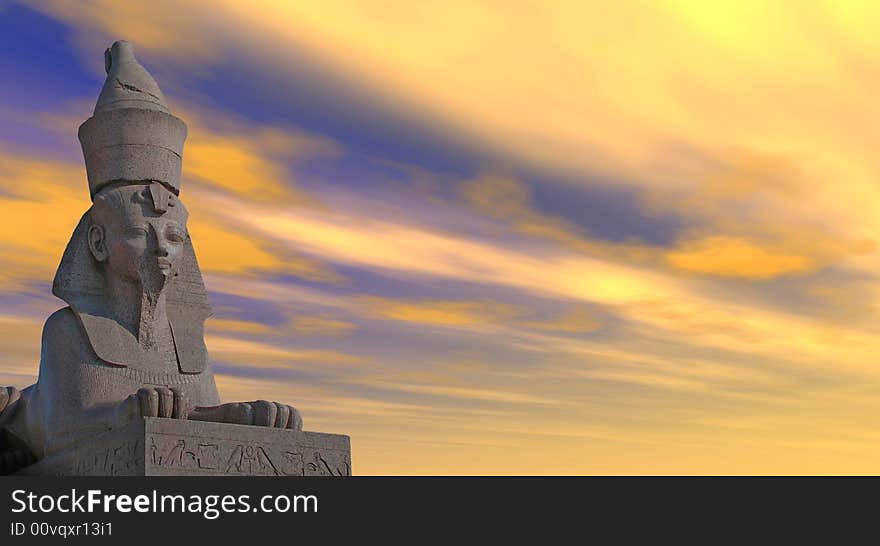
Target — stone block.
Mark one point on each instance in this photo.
(163, 447)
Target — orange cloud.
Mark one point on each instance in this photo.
(20, 339)
(736, 257)
(246, 159)
(40, 208)
(224, 250)
(437, 312)
(237, 326)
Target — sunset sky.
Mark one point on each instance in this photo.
(497, 237)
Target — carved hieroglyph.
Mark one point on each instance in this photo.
(161, 447)
(130, 345)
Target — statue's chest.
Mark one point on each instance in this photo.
(102, 383)
(161, 357)
(155, 353)
(154, 350)
(179, 347)
(155, 365)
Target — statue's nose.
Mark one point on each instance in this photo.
(159, 243)
(161, 246)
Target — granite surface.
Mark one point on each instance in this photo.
(161, 447)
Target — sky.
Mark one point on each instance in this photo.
(497, 237)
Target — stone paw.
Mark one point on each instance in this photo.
(162, 402)
(264, 413)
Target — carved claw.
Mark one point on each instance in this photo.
(162, 402)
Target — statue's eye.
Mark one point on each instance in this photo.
(176, 236)
(136, 232)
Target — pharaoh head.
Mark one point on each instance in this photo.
(132, 147)
(135, 233)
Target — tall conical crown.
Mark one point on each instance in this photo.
(132, 137)
(128, 84)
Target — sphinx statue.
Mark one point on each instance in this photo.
(130, 342)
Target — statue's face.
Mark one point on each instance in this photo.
(139, 231)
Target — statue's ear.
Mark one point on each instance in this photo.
(98, 242)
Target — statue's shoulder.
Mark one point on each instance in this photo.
(63, 327)
(63, 341)
(61, 322)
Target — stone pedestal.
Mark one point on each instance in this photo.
(171, 447)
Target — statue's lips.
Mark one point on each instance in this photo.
(164, 264)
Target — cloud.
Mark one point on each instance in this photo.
(252, 161)
(734, 231)
(509, 200)
(41, 203)
(750, 215)
(737, 257)
(321, 326)
(747, 127)
(788, 100)
(652, 302)
(20, 339)
(630, 132)
(185, 33)
(439, 313)
(238, 326)
(265, 355)
(224, 250)
(577, 319)
(386, 245)
(473, 314)
(463, 392)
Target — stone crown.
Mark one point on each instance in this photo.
(132, 136)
